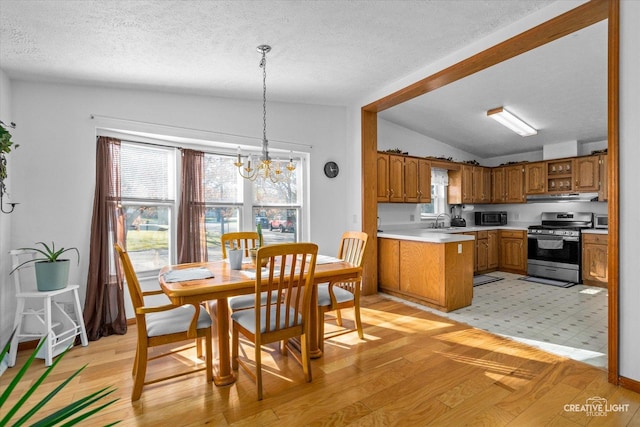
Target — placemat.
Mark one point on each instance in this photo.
(187, 274)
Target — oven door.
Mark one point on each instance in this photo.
(555, 257)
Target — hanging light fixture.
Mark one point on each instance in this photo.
(265, 168)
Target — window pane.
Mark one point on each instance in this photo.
(146, 172)
(147, 236)
(221, 179)
(219, 220)
(279, 225)
(269, 193)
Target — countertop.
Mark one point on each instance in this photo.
(442, 235)
(595, 231)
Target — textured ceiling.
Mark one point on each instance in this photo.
(324, 52)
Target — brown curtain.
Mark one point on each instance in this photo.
(192, 242)
(104, 312)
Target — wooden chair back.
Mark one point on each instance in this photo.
(239, 240)
(135, 291)
(288, 278)
(353, 246)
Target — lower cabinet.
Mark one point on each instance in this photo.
(439, 275)
(595, 271)
(513, 251)
(487, 250)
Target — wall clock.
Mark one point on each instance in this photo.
(331, 169)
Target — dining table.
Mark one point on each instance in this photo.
(200, 282)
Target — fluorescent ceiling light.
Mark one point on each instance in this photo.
(507, 119)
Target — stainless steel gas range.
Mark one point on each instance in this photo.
(555, 246)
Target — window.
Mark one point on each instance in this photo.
(276, 208)
(438, 205)
(148, 198)
(150, 184)
(223, 198)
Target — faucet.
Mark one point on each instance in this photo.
(438, 218)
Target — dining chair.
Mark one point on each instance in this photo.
(335, 296)
(288, 276)
(160, 325)
(239, 240)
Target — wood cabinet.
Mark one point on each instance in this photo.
(560, 176)
(493, 248)
(587, 173)
(603, 193)
(513, 251)
(514, 184)
(382, 166)
(535, 175)
(460, 189)
(595, 271)
(475, 249)
(481, 184)
(487, 251)
(498, 185)
(439, 275)
(417, 180)
(403, 179)
(396, 178)
(389, 263)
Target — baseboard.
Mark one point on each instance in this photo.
(629, 384)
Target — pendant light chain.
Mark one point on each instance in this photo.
(265, 169)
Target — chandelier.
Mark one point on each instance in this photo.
(265, 168)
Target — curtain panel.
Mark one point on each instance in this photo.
(192, 242)
(104, 311)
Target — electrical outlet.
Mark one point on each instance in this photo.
(459, 248)
(412, 217)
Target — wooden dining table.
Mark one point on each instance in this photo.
(227, 283)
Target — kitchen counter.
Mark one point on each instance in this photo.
(595, 231)
(442, 235)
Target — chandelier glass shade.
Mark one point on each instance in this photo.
(264, 167)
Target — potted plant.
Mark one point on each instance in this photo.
(5, 148)
(71, 414)
(52, 273)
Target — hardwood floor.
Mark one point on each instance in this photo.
(414, 368)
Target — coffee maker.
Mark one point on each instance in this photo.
(456, 217)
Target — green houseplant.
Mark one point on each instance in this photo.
(65, 414)
(5, 148)
(52, 273)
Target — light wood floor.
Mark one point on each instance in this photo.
(413, 368)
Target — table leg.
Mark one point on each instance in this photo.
(225, 375)
(314, 348)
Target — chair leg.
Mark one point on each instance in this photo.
(141, 371)
(356, 309)
(258, 353)
(306, 359)
(199, 342)
(338, 317)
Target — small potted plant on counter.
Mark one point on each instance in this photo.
(52, 273)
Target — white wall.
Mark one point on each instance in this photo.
(53, 174)
(6, 285)
(629, 200)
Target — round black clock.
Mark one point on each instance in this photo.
(331, 169)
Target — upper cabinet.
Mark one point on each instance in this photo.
(535, 178)
(587, 173)
(417, 180)
(514, 183)
(403, 179)
(481, 187)
(560, 176)
(603, 193)
(498, 185)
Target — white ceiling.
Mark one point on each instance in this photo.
(324, 52)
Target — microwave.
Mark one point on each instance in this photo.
(600, 221)
(491, 218)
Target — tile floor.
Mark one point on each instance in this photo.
(564, 321)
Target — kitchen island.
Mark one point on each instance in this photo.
(427, 266)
